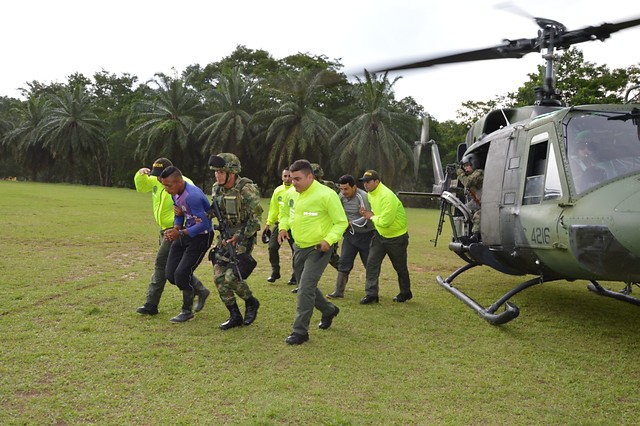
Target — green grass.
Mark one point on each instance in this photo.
(76, 262)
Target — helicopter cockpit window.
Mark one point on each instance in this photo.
(600, 148)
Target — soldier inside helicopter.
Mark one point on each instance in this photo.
(602, 149)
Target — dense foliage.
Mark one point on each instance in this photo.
(269, 112)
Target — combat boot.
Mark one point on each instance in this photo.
(187, 307)
(235, 318)
(202, 292)
(341, 284)
(251, 310)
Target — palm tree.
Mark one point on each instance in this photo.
(294, 128)
(372, 140)
(72, 130)
(166, 123)
(227, 129)
(25, 140)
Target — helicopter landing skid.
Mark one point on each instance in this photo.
(623, 295)
(510, 312)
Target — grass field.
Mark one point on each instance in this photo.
(75, 265)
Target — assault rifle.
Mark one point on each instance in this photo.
(242, 264)
(450, 171)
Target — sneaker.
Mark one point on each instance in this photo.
(335, 295)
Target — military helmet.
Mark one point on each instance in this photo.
(226, 162)
(317, 170)
(470, 159)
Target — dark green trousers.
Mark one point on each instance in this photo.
(308, 266)
(396, 249)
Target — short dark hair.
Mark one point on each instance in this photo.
(347, 180)
(170, 171)
(301, 166)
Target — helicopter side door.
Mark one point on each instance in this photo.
(537, 232)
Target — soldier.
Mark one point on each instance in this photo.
(276, 203)
(471, 176)
(239, 201)
(319, 174)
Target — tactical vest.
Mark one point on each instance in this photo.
(230, 202)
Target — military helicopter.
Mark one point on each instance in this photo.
(548, 209)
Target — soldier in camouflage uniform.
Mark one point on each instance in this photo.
(239, 202)
(471, 176)
(319, 173)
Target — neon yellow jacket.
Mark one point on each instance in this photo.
(313, 215)
(276, 203)
(389, 216)
(162, 202)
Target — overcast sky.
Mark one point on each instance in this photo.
(47, 40)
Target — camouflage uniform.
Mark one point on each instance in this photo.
(473, 187)
(240, 207)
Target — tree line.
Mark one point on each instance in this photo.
(269, 112)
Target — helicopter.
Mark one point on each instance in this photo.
(547, 210)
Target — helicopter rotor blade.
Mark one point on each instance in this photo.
(520, 47)
(601, 32)
(510, 49)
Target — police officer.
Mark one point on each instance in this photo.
(317, 220)
(276, 203)
(239, 201)
(471, 176)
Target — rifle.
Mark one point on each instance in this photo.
(242, 264)
(449, 172)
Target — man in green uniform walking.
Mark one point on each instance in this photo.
(238, 199)
(317, 220)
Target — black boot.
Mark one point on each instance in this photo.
(148, 309)
(341, 284)
(235, 319)
(187, 307)
(202, 292)
(251, 310)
